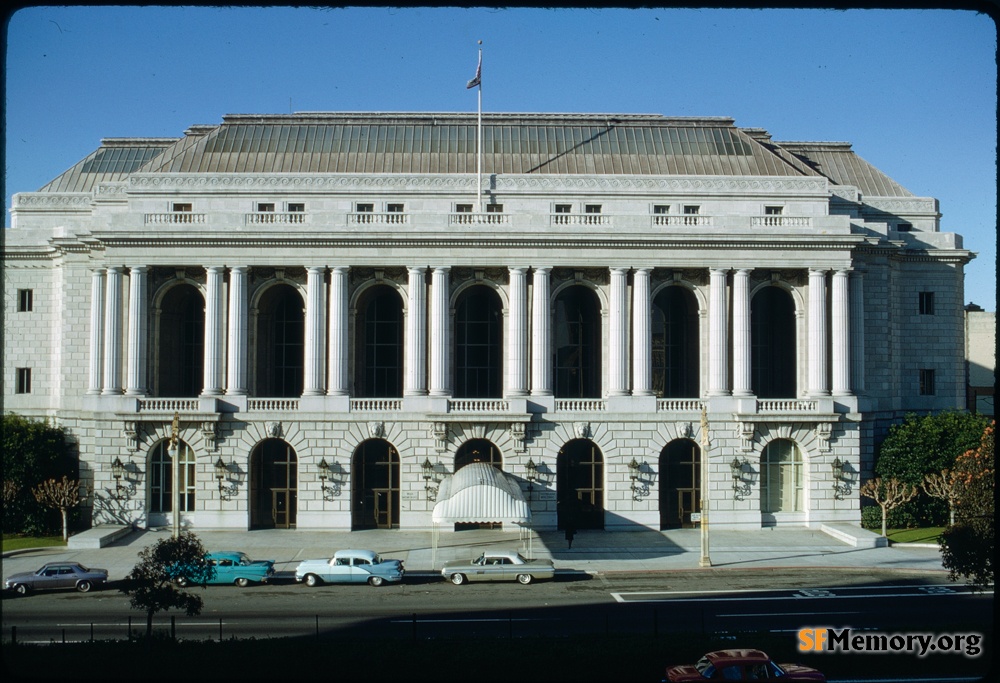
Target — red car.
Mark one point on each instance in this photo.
(740, 665)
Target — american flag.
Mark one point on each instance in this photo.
(479, 74)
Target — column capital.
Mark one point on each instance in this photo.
(441, 269)
(138, 269)
(816, 271)
(645, 270)
(541, 269)
(316, 269)
(238, 269)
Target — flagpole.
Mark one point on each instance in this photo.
(479, 142)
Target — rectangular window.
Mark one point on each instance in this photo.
(692, 210)
(661, 209)
(926, 303)
(296, 207)
(362, 208)
(563, 208)
(24, 300)
(926, 382)
(181, 206)
(494, 208)
(903, 227)
(263, 207)
(463, 208)
(773, 210)
(24, 380)
(592, 208)
(394, 208)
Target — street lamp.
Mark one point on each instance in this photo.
(428, 473)
(118, 471)
(633, 473)
(175, 467)
(220, 473)
(706, 560)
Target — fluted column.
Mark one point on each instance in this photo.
(718, 368)
(440, 337)
(415, 363)
(541, 339)
(857, 360)
(212, 384)
(113, 333)
(96, 330)
(337, 384)
(618, 351)
(840, 347)
(818, 385)
(236, 357)
(517, 333)
(315, 341)
(642, 340)
(138, 314)
(741, 333)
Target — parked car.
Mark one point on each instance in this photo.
(499, 565)
(740, 665)
(350, 566)
(231, 566)
(56, 575)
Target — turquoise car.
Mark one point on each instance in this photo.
(232, 566)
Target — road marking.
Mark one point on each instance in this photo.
(783, 614)
(801, 594)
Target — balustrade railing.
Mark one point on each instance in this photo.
(579, 219)
(679, 405)
(478, 405)
(466, 218)
(785, 405)
(580, 405)
(174, 218)
(681, 219)
(167, 405)
(272, 404)
(376, 405)
(780, 221)
(276, 218)
(377, 218)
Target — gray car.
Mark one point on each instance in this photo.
(499, 565)
(55, 575)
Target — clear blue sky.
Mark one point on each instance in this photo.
(913, 90)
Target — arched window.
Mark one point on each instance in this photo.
(675, 344)
(161, 489)
(280, 343)
(181, 337)
(379, 334)
(781, 477)
(273, 485)
(576, 334)
(772, 338)
(478, 450)
(375, 486)
(478, 344)
(580, 485)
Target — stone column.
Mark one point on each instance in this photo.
(96, 330)
(718, 368)
(541, 341)
(112, 384)
(642, 340)
(212, 384)
(415, 363)
(818, 385)
(239, 325)
(618, 338)
(741, 333)
(338, 381)
(840, 351)
(517, 333)
(138, 315)
(440, 337)
(315, 341)
(857, 359)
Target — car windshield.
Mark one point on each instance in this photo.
(377, 559)
(245, 559)
(520, 558)
(705, 667)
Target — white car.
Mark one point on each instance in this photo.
(350, 566)
(499, 565)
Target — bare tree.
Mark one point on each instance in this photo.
(61, 495)
(10, 491)
(945, 486)
(888, 494)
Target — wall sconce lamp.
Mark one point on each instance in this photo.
(841, 478)
(222, 472)
(430, 479)
(742, 479)
(118, 471)
(326, 474)
(633, 473)
(531, 473)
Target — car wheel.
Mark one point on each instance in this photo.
(83, 586)
(524, 578)
(312, 580)
(21, 589)
(242, 582)
(458, 579)
(375, 581)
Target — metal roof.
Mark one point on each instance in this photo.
(515, 143)
(479, 492)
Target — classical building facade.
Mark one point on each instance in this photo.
(314, 320)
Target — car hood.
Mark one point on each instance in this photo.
(20, 576)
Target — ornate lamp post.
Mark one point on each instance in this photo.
(705, 560)
(175, 467)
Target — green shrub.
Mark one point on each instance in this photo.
(33, 452)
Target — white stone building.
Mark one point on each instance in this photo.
(342, 309)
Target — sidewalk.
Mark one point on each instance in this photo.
(593, 552)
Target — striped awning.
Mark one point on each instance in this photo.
(480, 493)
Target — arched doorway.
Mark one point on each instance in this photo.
(379, 344)
(280, 343)
(680, 483)
(273, 485)
(576, 338)
(580, 485)
(375, 486)
(162, 493)
(772, 344)
(478, 450)
(781, 485)
(675, 344)
(478, 344)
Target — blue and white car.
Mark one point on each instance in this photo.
(350, 566)
(229, 567)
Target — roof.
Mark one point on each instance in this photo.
(366, 554)
(479, 492)
(436, 143)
